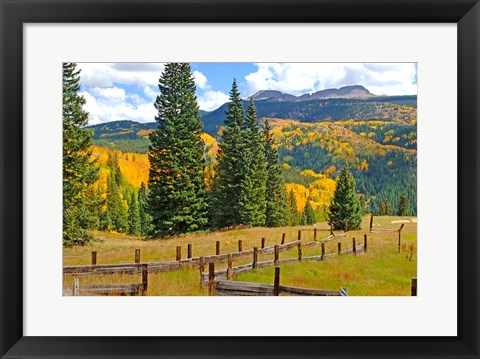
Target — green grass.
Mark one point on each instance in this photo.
(380, 271)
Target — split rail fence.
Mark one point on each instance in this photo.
(192, 262)
(233, 288)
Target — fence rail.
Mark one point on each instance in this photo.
(232, 271)
(232, 288)
(192, 263)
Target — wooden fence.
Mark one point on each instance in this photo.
(109, 289)
(383, 230)
(232, 288)
(189, 262)
(231, 271)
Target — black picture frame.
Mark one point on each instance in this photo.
(14, 13)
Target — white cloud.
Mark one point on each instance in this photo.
(211, 100)
(201, 80)
(299, 78)
(108, 74)
(105, 105)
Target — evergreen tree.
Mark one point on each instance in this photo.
(227, 183)
(254, 170)
(117, 211)
(112, 162)
(381, 208)
(177, 196)
(308, 214)
(145, 219)
(403, 209)
(363, 204)
(79, 171)
(133, 216)
(275, 213)
(345, 205)
(388, 208)
(293, 216)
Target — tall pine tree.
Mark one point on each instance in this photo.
(145, 218)
(292, 213)
(308, 214)
(79, 172)
(275, 212)
(345, 205)
(403, 209)
(254, 170)
(177, 199)
(228, 180)
(133, 216)
(116, 209)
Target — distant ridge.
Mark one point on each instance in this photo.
(349, 92)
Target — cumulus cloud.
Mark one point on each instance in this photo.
(108, 74)
(211, 100)
(201, 80)
(107, 104)
(299, 78)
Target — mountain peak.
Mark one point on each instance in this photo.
(352, 92)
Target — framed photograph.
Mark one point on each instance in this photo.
(197, 179)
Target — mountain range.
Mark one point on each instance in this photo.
(357, 91)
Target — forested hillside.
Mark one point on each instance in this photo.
(381, 154)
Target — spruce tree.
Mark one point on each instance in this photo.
(145, 219)
(254, 170)
(133, 216)
(381, 208)
(345, 205)
(308, 214)
(79, 171)
(177, 197)
(293, 215)
(275, 212)
(227, 183)
(116, 208)
(403, 209)
(388, 208)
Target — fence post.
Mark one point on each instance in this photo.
(240, 245)
(263, 242)
(283, 238)
(354, 247)
(345, 226)
(137, 256)
(300, 250)
(255, 257)
(331, 229)
(276, 282)
(144, 278)
(211, 278)
(315, 234)
(364, 242)
(323, 250)
(179, 253)
(371, 223)
(94, 258)
(76, 287)
(217, 249)
(276, 250)
(414, 287)
(201, 266)
(229, 267)
(189, 251)
(400, 236)
(299, 235)
(339, 247)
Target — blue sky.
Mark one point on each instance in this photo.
(126, 91)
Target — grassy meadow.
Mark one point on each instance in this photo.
(380, 271)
